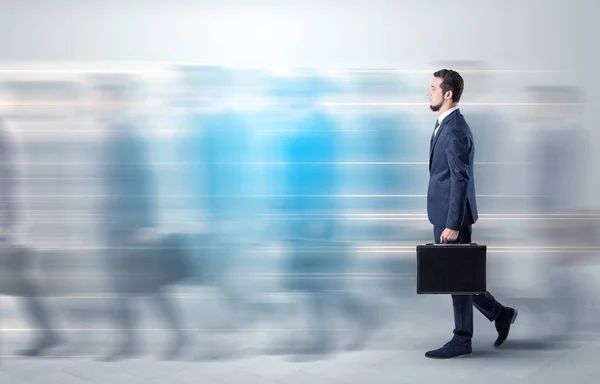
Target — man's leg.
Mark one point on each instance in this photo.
(463, 304)
(39, 314)
(460, 344)
(488, 305)
(484, 302)
(172, 319)
(122, 312)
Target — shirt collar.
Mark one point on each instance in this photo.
(445, 114)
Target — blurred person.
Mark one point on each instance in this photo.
(16, 256)
(59, 156)
(317, 258)
(559, 151)
(388, 143)
(214, 176)
(385, 140)
(452, 207)
(130, 226)
(214, 151)
(45, 115)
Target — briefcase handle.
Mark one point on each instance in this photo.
(470, 244)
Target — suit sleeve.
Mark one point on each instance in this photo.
(457, 153)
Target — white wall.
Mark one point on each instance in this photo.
(509, 34)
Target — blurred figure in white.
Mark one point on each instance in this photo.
(17, 247)
(559, 153)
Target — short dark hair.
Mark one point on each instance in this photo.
(451, 81)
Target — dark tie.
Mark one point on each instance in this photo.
(437, 124)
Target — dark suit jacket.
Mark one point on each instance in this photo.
(451, 193)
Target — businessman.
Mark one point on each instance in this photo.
(452, 209)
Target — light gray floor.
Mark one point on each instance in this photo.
(394, 355)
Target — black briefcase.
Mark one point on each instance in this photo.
(458, 269)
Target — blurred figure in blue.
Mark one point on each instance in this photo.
(214, 152)
(387, 142)
(130, 225)
(318, 258)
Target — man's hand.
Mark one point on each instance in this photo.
(448, 235)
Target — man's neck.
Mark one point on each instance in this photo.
(446, 108)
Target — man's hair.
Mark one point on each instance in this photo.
(451, 81)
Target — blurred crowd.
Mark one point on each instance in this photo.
(240, 200)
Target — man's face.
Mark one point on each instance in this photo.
(435, 95)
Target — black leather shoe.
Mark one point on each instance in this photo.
(449, 350)
(503, 323)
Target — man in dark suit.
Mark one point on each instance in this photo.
(452, 209)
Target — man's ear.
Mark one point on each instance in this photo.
(448, 95)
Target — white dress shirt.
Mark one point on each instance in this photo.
(442, 117)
